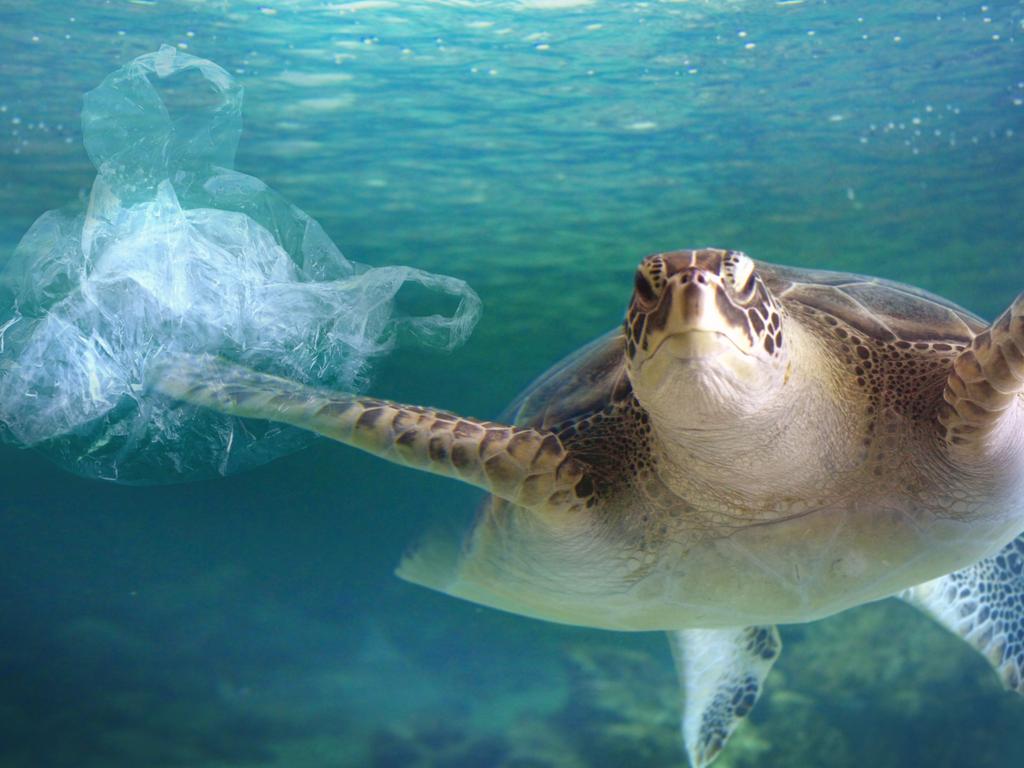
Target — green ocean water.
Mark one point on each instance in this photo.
(536, 149)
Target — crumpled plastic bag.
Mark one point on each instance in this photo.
(177, 253)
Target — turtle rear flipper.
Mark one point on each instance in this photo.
(984, 604)
(526, 466)
(986, 382)
(721, 672)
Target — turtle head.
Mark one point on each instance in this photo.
(704, 336)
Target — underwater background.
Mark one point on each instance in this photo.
(536, 149)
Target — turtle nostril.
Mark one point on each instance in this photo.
(693, 276)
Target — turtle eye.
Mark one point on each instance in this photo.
(643, 289)
(742, 273)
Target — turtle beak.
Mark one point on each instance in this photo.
(701, 323)
(694, 294)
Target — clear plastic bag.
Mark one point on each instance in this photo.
(176, 253)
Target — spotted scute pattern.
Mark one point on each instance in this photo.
(984, 604)
(722, 672)
(899, 381)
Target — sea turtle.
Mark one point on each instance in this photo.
(756, 445)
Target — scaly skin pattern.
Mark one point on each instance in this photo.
(983, 604)
(986, 381)
(525, 466)
(722, 674)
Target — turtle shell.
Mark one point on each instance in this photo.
(582, 383)
(880, 309)
(594, 377)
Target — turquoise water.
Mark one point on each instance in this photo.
(536, 150)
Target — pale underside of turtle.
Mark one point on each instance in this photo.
(757, 445)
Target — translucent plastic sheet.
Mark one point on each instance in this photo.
(178, 253)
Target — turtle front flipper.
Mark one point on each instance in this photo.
(984, 604)
(528, 467)
(722, 672)
(986, 382)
